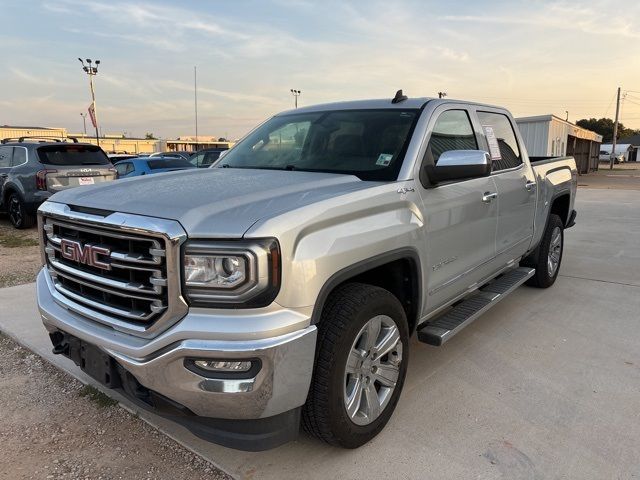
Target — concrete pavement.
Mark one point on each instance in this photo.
(546, 385)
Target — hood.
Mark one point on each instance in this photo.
(214, 202)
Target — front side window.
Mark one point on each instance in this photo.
(367, 143)
(452, 131)
(503, 146)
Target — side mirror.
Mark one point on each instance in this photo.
(460, 164)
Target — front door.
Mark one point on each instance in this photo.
(460, 226)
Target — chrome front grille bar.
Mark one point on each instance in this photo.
(139, 290)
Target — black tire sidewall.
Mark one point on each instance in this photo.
(349, 434)
(542, 270)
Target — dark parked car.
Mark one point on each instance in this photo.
(204, 158)
(145, 166)
(31, 171)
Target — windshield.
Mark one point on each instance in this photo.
(72, 155)
(367, 143)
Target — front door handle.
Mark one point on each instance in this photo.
(529, 185)
(488, 196)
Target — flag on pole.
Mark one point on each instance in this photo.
(92, 114)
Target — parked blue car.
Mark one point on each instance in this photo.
(134, 167)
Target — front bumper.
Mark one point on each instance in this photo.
(281, 384)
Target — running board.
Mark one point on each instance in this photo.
(446, 326)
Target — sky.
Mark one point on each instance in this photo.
(533, 57)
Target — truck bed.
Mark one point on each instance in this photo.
(555, 177)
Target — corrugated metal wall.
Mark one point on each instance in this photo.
(535, 136)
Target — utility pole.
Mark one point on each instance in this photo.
(84, 122)
(92, 72)
(442, 94)
(615, 133)
(195, 97)
(296, 94)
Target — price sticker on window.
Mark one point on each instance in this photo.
(494, 147)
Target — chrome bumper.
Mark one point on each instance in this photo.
(281, 384)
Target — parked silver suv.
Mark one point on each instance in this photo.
(33, 169)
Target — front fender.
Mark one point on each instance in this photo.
(341, 234)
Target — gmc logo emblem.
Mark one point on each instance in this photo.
(87, 254)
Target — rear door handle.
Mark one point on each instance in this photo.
(488, 196)
(529, 185)
(4, 175)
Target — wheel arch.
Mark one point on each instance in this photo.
(397, 271)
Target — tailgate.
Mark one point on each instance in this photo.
(75, 177)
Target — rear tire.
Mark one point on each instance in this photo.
(549, 258)
(18, 215)
(361, 363)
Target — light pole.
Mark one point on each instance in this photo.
(296, 94)
(84, 122)
(195, 101)
(92, 71)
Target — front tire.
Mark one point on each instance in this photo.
(547, 264)
(361, 365)
(18, 215)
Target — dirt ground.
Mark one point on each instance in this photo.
(53, 427)
(624, 176)
(19, 254)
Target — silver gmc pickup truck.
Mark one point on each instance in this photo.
(279, 288)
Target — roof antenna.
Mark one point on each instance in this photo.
(399, 97)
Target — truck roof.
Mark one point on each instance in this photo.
(380, 103)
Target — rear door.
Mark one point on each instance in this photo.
(69, 165)
(6, 154)
(515, 182)
(460, 226)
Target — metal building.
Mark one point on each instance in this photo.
(551, 136)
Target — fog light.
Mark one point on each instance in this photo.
(222, 366)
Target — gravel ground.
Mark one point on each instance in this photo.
(19, 254)
(53, 427)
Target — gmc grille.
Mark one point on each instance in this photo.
(133, 290)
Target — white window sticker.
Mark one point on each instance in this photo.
(494, 148)
(384, 159)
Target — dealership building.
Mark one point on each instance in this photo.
(116, 143)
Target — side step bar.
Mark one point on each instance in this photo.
(447, 325)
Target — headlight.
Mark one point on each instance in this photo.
(234, 273)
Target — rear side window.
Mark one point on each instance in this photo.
(169, 163)
(5, 157)
(452, 131)
(19, 156)
(503, 145)
(62, 155)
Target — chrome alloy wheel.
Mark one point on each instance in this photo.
(555, 250)
(15, 211)
(372, 369)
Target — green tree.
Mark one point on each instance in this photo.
(604, 127)
(149, 136)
